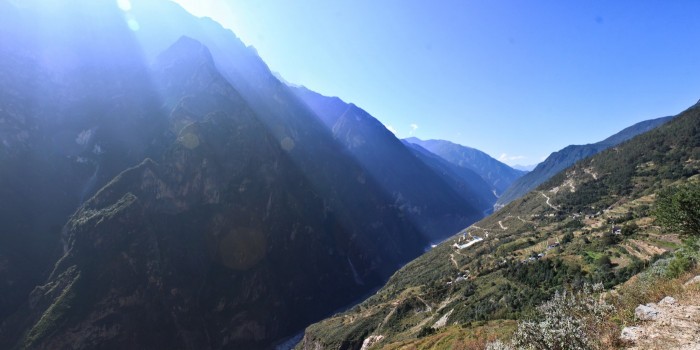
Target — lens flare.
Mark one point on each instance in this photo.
(124, 5)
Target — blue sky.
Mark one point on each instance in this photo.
(516, 79)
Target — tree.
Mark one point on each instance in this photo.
(678, 209)
(604, 262)
(629, 229)
(568, 237)
(426, 331)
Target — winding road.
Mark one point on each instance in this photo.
(548, 199)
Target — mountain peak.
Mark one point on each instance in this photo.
(412, 139)
(185, 50)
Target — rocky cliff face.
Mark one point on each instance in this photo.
(65, 130)
(223, 242)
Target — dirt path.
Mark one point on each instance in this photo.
(525, 221)
(548, 199)
(501, 224)
(452, 257)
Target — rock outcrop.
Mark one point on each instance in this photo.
(669, 324)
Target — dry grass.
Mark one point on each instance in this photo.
(459, 337)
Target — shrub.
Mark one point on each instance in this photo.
(678, 265)
(568, 321)
(426, 331)
(604, 262)
(684, 259)
(630, 229)
(498, 345)
(568, 237)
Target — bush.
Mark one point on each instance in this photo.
(684, 259)
(426, 331)
(604, 262)
(630, 229)
(678, 265)
(568, 237)
(567, 321)
(498, 345)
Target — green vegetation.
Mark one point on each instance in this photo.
(685, 258)
(426, 331)
(678, 208)
(570, 320)
(55, 314)
(590, 319)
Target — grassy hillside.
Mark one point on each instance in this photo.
(590, 223)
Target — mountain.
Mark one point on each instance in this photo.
(200, 246)
(440, 215)
(161, 188)
(461, 179)
(436, 203)
(65, 131)
(569, 155)
(500, 176)
(591, 223)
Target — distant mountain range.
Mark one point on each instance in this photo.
(442, 201)
(499, 175)
(463, 180)
(569, 155)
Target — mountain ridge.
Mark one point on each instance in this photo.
(496, 173)
(387, 159)
(567, 156)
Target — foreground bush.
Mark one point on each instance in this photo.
(570, 320)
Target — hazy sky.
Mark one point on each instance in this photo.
(516, 79)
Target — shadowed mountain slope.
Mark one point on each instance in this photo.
(436, 203)
(500, 176)
(178, 204)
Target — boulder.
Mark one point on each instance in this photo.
(630, 334)
(646, 312)
(693, 281)
(668, 301)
